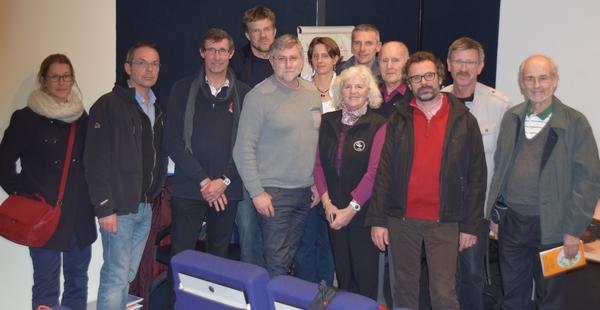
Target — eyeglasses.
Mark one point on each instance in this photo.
(213, 51)
(145, 64)
(416, 79)
(67, 78)
(282, 59)
(468, 63)
(542, 79)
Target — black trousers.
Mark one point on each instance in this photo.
(356, 260)
(518, 249)
(187, 216)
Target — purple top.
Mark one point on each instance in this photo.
(363, 191)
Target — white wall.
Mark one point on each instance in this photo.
(564, 30)
(84, 30)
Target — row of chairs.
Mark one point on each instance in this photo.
(204, 281)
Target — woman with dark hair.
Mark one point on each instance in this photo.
(38, 136)
(350, 143)
(323, 55)
(313, 260)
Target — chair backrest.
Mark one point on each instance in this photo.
(289, 293)
(204, 281)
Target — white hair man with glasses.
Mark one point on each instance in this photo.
(465, 62)
(125, 170)
(430, 185)
(275, 152)
(203, 114)
(544, 189)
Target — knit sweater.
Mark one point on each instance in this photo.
(277, 136)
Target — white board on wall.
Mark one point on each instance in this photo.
(342, 35)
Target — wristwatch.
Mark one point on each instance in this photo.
(355, 205)
(226, 180)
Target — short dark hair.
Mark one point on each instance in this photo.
(216, 35)
(48, 61)
(133, 48)
(332, 48)
(257, 13)
(425, 56)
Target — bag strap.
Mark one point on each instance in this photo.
(66, 165)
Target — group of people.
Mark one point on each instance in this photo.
(323, 172)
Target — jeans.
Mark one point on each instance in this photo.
(440, 241)
(519, 238)
(281, 233)
(314, 261)
(46, 276)
(470, 279)
(251, 243)
(122, 253)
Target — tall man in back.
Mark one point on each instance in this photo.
(465, 62)
(125, 170)
(251, 62)
(275, 152)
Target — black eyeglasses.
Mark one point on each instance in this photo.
(416, 79)
(67, 78)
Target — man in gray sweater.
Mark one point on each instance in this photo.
(275, 152)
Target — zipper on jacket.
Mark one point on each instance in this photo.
(153, 162)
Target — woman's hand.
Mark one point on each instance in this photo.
(342, 217)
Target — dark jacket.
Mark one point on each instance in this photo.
(114, 157)
(241, 63)
(462, 176)
(40, 143)
(205, 161)
(354, 161)
(569, 179)
(387, 108)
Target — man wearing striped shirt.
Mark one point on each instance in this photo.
(545, 186)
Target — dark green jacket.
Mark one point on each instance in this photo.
(569, 173)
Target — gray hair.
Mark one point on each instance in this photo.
(285, 42)
(553, 64)
(373, 98)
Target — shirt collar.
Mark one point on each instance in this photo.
(401, 89)
(140, 99)
(542, 115)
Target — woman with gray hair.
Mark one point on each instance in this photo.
(350, 142)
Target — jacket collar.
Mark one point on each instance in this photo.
(557, 120)
(457, 108)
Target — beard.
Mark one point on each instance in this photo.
(426, 93)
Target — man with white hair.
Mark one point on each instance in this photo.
(544, 189)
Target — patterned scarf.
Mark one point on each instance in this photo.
(350, 117)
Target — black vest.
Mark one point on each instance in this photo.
(355, 156)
